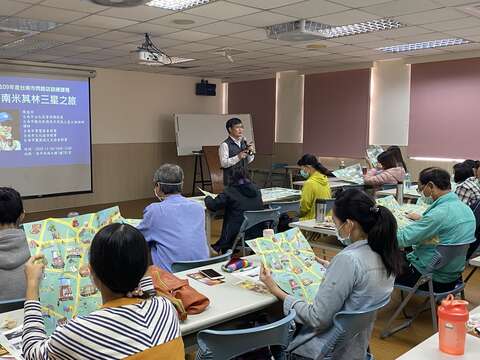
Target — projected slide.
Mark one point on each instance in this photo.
(45, 135)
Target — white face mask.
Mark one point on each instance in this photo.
(344, 240)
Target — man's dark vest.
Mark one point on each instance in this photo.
(234, 150)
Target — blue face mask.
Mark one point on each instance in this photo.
(304, 174)
(428, 200)
(344, 240)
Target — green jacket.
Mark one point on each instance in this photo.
(316, 187)
(446, 221)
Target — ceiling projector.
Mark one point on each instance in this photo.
(153, 58)
(119, 3)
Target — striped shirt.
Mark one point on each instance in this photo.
(122, 328)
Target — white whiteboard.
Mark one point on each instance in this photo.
(192, 131)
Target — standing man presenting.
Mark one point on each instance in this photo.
(235, 152)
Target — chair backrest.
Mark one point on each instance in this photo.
(287, 206)
(400, 193)
(225, 345)
(347, 325)
(278, 166)
(445, 254)
(187, 265)
(10, 305)
(255, 217)
(214, 168)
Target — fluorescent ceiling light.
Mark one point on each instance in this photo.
(364, 27)
(424, 45)
(172, 61)
(177, 5)
(421, 158)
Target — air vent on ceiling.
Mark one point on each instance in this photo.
(472, 9)
(25, 46)
(119, 3)
(306, 30)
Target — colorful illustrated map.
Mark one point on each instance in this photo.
(352, 174)
(372, 154)
(292, 262)
(66, 289)
(278, 193)
(399, 211)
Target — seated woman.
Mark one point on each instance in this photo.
(359, 277)
(240, 196)
(447, 221)
(14, 251)
(174, 227)
(316, 186)
(125, 327)
(398, 155)
(468, 180)
(391, 173)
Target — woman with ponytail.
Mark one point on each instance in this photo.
(316, 185)
(359, 277)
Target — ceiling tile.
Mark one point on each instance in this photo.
(221, 10)
(265, 4)
(118, 36)
(454, 24)
(104, 22)
(401, 7)
(162, 42)
(465, 32)
(360, 3)
(52, 14)
(224, 41)
(431, 16)
(222, 28)
(84, 6)
(152, 29)
(420, 38)
(10, 7)
(358, 39)
(345, 17)
(257, 34)
(453, 2)
(310, 8)
(264, 18)
(193, 47)
(255, 45)
(169, 20)
(80, 31)
(139, 13)
(406, 31)
(57, 37)
(188, 35)
(98, 43)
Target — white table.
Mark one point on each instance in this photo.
(315, 235)
(428, 349)
(411, 193)
(228, 302)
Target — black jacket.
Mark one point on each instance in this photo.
(235, 200)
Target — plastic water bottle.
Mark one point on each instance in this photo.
(408, 181)
(342, 165)
(452, 318)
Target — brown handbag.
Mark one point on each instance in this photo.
(186, 299)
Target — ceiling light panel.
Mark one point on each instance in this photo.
(177, 5)
(424, 45)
